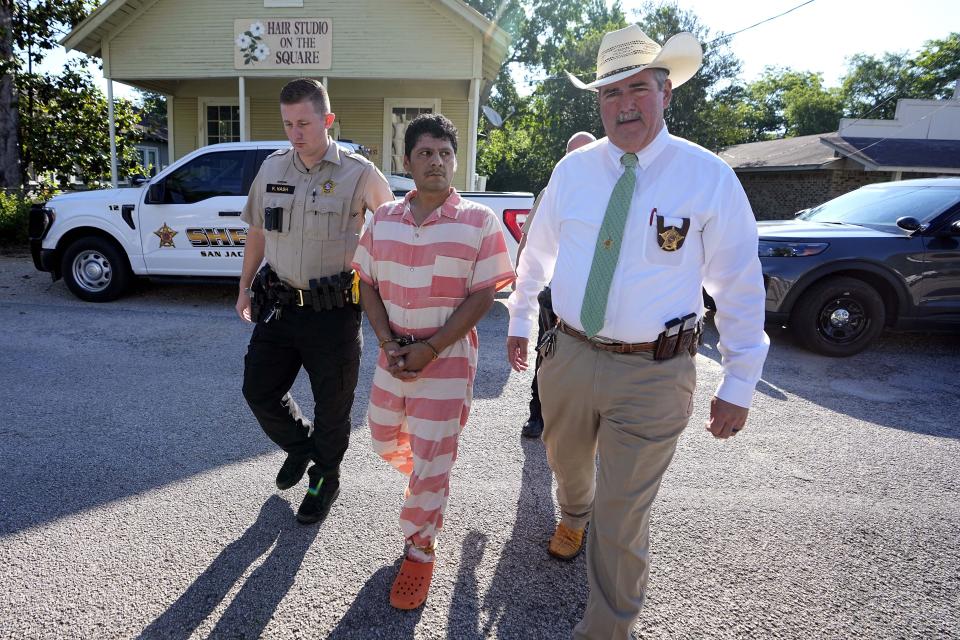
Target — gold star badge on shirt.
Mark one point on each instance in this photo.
(328, 187)
(671, 239)
(165, 234)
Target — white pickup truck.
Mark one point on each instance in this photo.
(183, 223)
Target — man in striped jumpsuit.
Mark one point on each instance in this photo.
(429, 266)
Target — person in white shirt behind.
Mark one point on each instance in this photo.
(629, 230)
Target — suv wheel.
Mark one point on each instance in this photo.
(95, 270)
(838, 317)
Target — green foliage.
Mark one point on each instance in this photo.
(700, 110)
(153, 109)
(784, 102)
(521, 155)
(56, 113)
(37, 26)
(936, 67)
(14, 214)
(873, 84)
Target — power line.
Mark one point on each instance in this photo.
(730, 35)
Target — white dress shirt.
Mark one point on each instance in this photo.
(677, 180)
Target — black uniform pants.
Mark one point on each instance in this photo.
(545, 322)
(327, 344)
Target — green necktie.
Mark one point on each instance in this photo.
(607, 252)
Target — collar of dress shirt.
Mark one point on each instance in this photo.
(450, 208)
(645, 156)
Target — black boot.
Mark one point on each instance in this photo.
(292, 470)
(316, 504)
(533, 427)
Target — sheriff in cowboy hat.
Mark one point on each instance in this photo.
(629, 230)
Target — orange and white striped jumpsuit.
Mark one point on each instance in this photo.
(423, 273)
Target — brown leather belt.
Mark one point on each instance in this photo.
(616, 347)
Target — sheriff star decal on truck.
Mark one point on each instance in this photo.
(165, 234)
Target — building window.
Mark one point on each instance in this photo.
(223, 123)
(397, 116)
(149, 159)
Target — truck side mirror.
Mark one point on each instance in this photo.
(156, 193)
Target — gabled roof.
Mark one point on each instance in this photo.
(113, 15)
(796, 154)
(899, 154)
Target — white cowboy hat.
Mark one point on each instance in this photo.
(628, 51)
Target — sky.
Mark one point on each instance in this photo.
(818, 37)
(821, 35)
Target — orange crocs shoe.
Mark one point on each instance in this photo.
(410, 589)
(566, 543)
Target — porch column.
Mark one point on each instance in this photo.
(170, 156)
(474, 109)
(113, 136)
(243, 109)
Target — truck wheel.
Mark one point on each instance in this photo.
(95, 270)
(838, 317)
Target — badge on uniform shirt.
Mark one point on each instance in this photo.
(671, 237)
(328, 187)
(165, 234)
(280, 188)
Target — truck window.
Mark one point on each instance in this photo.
(210, 175)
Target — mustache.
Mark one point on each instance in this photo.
(630, 116)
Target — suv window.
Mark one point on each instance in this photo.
(883, 205)
(212, 174)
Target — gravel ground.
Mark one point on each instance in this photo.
(138, 496)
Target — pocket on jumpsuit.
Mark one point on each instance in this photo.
(450, 277)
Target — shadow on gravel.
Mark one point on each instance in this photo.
(371, 616)
(255, 603)
(531, 595)
(903, 381)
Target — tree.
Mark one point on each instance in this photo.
(28, 30)
(936, 68)
(700, 100)
(522, 154)
(153, 109)
(784, 103)
(872, 85)
(57, 129)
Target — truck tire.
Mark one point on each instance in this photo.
(95, 269)
(838, 317)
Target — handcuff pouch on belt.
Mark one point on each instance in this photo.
(679, 335)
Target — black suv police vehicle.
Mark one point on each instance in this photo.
(885, 255)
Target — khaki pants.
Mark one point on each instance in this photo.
(631, 409)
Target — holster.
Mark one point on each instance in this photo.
(258, 294)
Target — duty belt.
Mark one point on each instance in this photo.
(666, 346)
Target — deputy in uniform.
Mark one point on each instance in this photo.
(305, 211)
